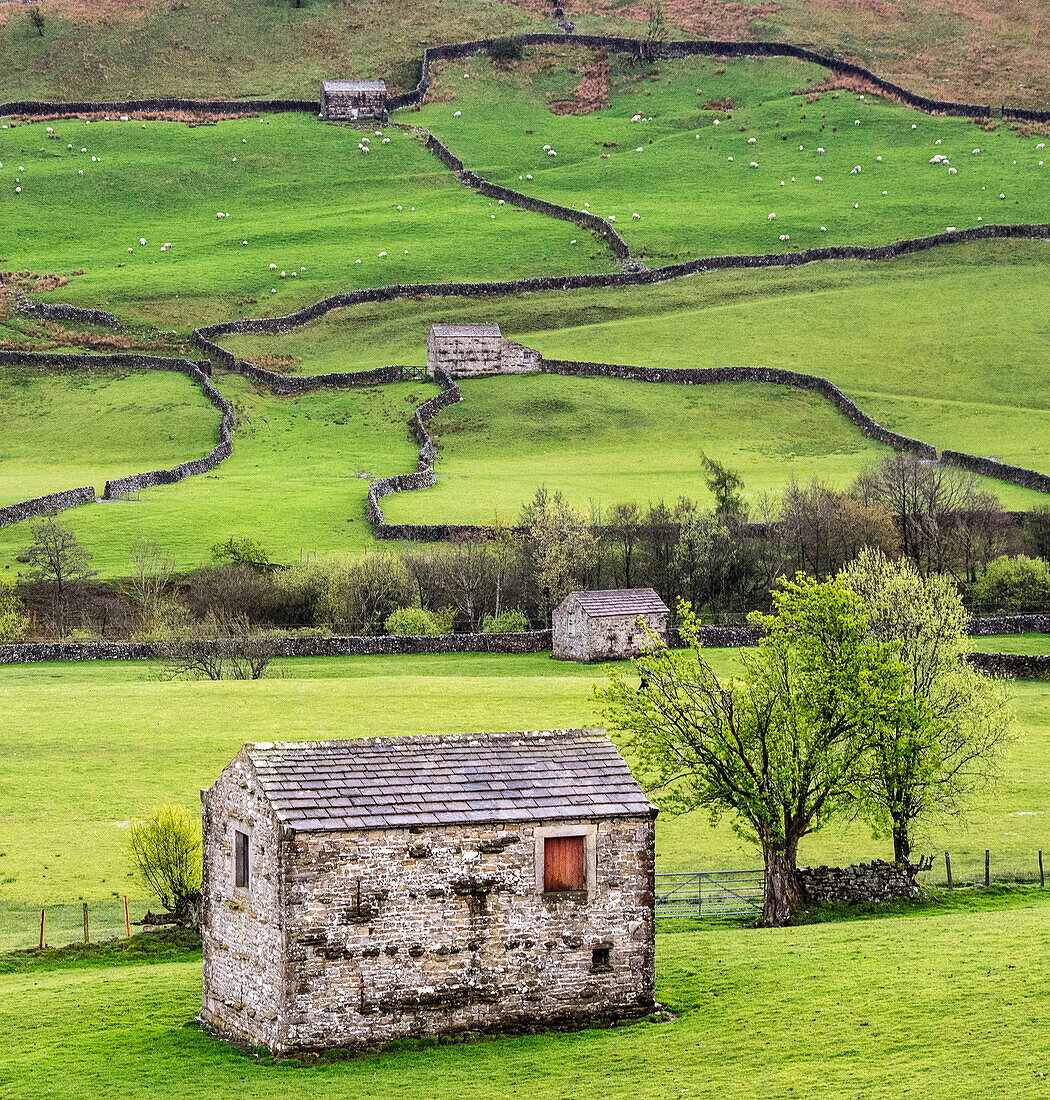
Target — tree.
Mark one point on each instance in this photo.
(242, 551)
(562, 545)
(359, 593)
(725, 485)
(656, 32)
(948, 731)
(13, 621)
(781, 749)
(623, 531)
(150, 582)
(1013, 584)
(36, 20)
(219, 648)
(166, 852)
(59, 562)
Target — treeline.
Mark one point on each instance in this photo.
(723, 560)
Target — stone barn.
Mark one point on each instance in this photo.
(353, 99)
(468, 351)
(603, 626)
(361, 891)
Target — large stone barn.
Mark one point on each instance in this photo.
(361, 891)
(603, 626)
(353, 99)
(467, 351)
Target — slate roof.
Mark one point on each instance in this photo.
(620, 601)
(384, 782)
(465, 330)
(354, 85)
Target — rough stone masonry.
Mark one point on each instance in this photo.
(362, 891)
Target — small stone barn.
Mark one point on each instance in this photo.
(467, 351)
(361, 891)
(603, 626)
(353, 99)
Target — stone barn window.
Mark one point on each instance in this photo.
(241, 869)
(563, 863)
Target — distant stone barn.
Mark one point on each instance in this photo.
(603, 625)
(361, 891)
(466, 351)
(353, 99)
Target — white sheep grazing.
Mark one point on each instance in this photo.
(785, 237)
(637, 217)
(456, 114)
(18, 191)
(551, 153)
(382, 255)
(950, 229)
(546, 148)
(283, 274)
(1041, 145)
(772, 217)
(399, 208)
(273, 267)
(142, 240)
(937, 142)
(612, 217)
(878, 160)
(386, 141)
(528, 176)
(244, 242)
(573, 241)
(501, 202)
(730, 160)
(639, 149)
(716, 121)
(638, 118)
(1001, 195)
(823, 229)
(975, 152)
(754, 164)
(820, 149)
(819, 179)
(953, 171)
(856, 122)
(751, 140)
(856, 206)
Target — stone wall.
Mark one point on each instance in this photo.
(162, 104)
(993, 467)
(426, 931)
(1008, 624)
(1013, 666)
(360, 645)
(41, 506)
(62, 311)
(876, 881)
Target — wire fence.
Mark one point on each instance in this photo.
(20, 923)
(984, 869)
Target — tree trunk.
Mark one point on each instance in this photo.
(901, 843)
(784, 899)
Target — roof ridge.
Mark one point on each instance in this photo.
(579, 733)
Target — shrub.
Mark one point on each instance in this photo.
(1013, 584)
(166, 852)
(508, 622)
(506, 48)
(360, 593)
(242, 551)
(13, 622)
(419, 622)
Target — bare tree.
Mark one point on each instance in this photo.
(59, 562)
(219, 649)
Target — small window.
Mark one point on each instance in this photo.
(563, 866)
(600, 958)
(241, 869)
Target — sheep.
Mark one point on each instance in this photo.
(142, 240)
(636, 118)
(856, 206)
(1041, 145)
(878, 160)
(754, 164)
(456, 114)
(751, 140)
(573, 241)
(819, 179)
(283, 274)
(18, 191)
(785, 237)
(636, 217)
(546, 148)
(551, 153)
(820, 149)
(273, 267)
(856, 122)
(953, 171)
(823, 229)
(639, 149)
(730, 159)
(244, 242)
(772, 217)
(382, 255)
(612, 217)
(1001, 195)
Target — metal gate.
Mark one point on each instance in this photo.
(710, 893)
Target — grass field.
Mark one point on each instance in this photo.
(62, 839)
(947, 1003)
(603, 441)
(947, 346)
(704, 182)
(299, 191)
(125, 424)
(295, 481)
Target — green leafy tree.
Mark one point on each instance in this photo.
(242, 551)
(166, 851)
(419, 622)
(359, 593)
(14, 624)
(946, 735)
(60, 563)
(562, 544)
(725, 485)
(781, 749)
(507, 622)
(1013, 584)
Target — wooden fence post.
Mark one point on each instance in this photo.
(41, 929)
(987, 866)
(85, 923)
(948, 868)
(1042, 880)
(127, 919)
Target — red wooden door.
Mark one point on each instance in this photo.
(563, 863)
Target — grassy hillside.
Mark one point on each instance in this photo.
(704, 182)
(124, 424)
(62, 841)
(947, 346)
(296, 481)
(604, 441)
(760, 1016)
(299, 191)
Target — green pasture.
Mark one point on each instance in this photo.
(61, 431)
(1014, 643)
(946, 346)
(299, 191)
(65, 804)
(687, 171)
(603, 441)
(947, 1004)
(296, 482)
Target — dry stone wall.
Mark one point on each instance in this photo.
(62, 311)
(42, 506)
(1013, 666)
(875, 881)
